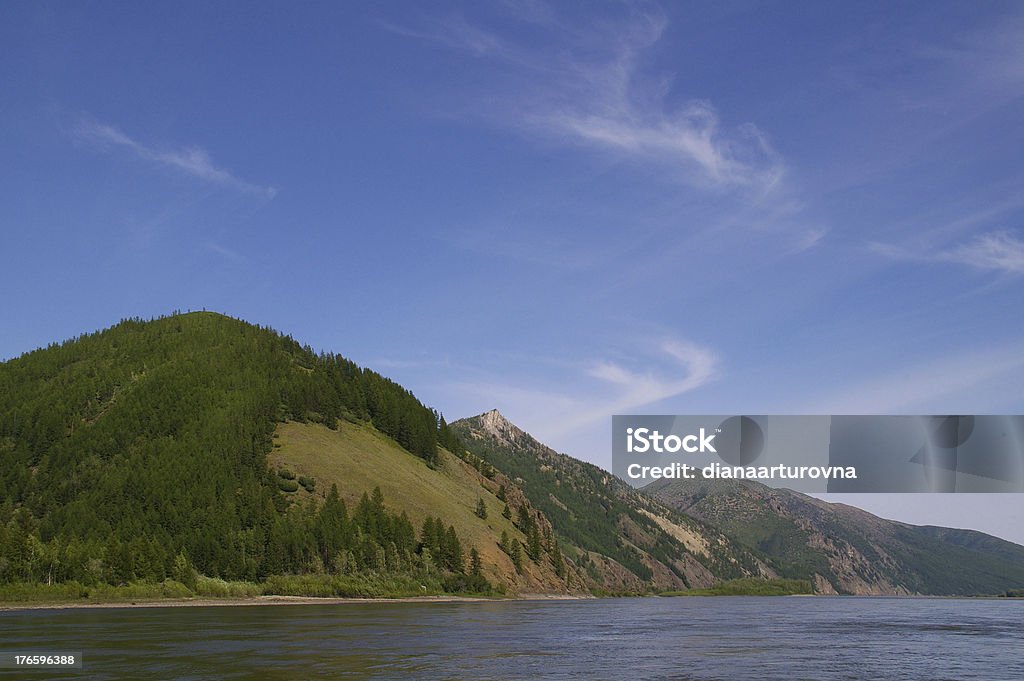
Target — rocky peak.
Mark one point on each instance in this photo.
(493, 423)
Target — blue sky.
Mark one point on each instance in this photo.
(560, 210)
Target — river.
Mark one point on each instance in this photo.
(818, 638)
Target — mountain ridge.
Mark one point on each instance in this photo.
(624, 538)
(845, 549)
(838, 547)
(199, 444)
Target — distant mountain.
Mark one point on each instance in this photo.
(844, 549)
(621, 539)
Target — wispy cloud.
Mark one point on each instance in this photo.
(942, 385)
(998, 251)
(690, 136)
(995, 251)
(223, 251)
(454, 32)
(589, 89)
(600, 389)
(191, 160)
(689, 367)
(991, 55)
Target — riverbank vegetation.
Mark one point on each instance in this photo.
(751, 587)
(312, 586)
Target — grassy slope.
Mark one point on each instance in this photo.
(357, 458)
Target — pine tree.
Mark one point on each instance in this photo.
(427, 563)
(517, 555)
(557, 561)
(481, 509)
(428, 535)
(524, 519)
(453, 551)
(475, 566)
(507, 513)
(182, 571)
(505, 544)
(533, 543)
(502, 492)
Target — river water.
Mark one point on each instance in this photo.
(816, 638)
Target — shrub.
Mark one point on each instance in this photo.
(286, 474)
(170, 588)
(212, 587)
(307, 483)
(288, 485)
(366, 585)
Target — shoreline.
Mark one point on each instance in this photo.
(210, 602)
(203, 602)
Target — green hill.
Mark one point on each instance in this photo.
(139, 453)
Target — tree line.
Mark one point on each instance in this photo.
(311, 538)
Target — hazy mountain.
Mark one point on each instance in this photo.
(844, 549)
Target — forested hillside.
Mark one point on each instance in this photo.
(140, 453)
(621, 538)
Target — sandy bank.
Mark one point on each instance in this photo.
(273, 600)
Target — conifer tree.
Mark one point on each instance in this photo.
(427, 533)
(183, 571)
(517, 555)
(475, 566)
(524, 519)
(427, 561)
(453, 551)
(533, 543)
(505, 544)
(481, 509)
(557, 561)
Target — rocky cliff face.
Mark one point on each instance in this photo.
(499, 428)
